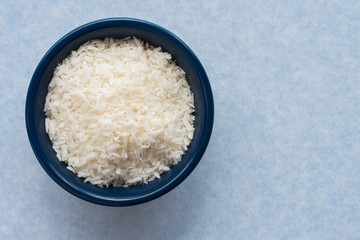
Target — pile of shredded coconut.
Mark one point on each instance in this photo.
(119, 112)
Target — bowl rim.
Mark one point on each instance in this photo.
(62, 181)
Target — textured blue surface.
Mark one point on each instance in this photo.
(284, 158)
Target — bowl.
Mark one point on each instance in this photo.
(119, 28)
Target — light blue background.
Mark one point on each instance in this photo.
(284, 158)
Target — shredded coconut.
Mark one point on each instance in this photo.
(119, 112)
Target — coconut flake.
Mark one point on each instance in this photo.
(119, 112)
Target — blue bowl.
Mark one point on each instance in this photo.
(119, 28)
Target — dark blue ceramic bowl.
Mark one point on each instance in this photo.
(119, 28)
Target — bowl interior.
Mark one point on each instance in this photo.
(119, 28)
